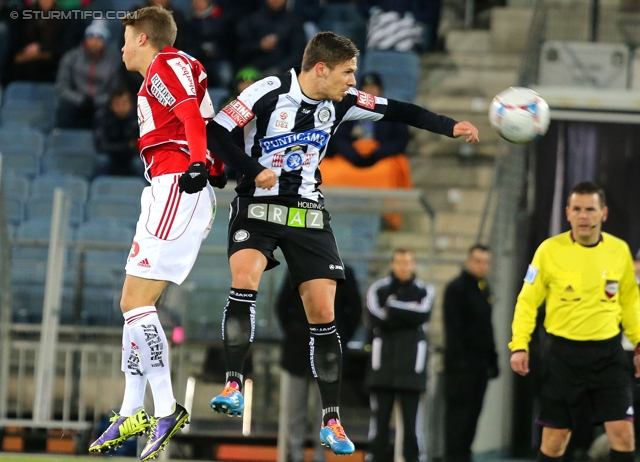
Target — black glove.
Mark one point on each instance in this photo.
(194, 179)
(219, 181)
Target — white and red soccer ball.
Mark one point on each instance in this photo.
(519, 115)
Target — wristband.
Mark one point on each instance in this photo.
(524, 351)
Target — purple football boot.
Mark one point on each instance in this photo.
(121, 429)
(162, 429)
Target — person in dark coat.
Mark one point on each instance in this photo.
(399, 304)
(272, 39)
(297, 372)
(209, 39)
(470, 353)
(116, 132)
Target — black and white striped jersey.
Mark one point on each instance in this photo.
(287, 132)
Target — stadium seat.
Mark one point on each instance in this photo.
(36, 229)
(76, 186)
(69, 160)
(399, 70)
(114, 186)
(218, 95)
(15, 186)
(344, 19)
(123, 209)
(34, 114)
(25, 92)
(14, 209)
(41, 207)
(105, 231)
(21, 148)
(79, 140)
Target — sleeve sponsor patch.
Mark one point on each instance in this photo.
(238, 112)
(184, 74)
(532, 272)
(366, 100)
(161, 92)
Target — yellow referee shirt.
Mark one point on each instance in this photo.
(588, 292)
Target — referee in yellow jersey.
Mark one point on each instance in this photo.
(588, 282)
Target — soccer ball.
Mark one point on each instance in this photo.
(519, 115)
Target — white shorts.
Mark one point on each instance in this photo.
(170, 230)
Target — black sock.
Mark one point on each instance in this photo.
(326, 364)
(619, 456)
(544, 458)
(238, 328)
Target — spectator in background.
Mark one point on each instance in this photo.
(399, 304)
(401, 24)
(244, 77)
(296, 370)
(85, 79)
(39, 44)
(271, 39)
(209, 39)
(116, 132)
(369, 154)
(470, 354)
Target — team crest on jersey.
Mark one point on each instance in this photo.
(324, 114)
(611, 288)
(238, 112)
(292, 161)
(366, 100)
(161, 92)
(315, 138)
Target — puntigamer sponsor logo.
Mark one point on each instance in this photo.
(287, 216)
(315, 138)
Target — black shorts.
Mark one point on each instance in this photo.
(595, 371)
(300, 227)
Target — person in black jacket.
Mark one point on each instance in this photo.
(399, 304)
(295, 357)
(470, 353)
(116, 132)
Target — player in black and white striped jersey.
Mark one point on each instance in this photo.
(287, 123)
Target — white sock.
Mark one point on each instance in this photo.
(146, 332)
(135, 381)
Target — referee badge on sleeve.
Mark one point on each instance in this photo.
(532, 272)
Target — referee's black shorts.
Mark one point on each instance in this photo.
(300, 227)
(597, 371)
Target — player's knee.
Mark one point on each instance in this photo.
(554, 443)
(622, 438)
(245, 280)
(320, 315)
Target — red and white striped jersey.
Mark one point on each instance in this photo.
(172, 78)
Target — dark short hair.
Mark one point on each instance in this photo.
(480, 247)
(120, 90)
(398, 250)
(329, 48)
(588, 187)
(156, 23)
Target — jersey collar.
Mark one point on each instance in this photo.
(601, 239)
(295, 86)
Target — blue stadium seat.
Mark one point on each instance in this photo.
(344, 19)
(69, 160)
(34, 114)
(16, 187)
(41, 207)
(24, 92)
(78, 139)
(399, 70)
(105, 231)
(37, 229)
(218, 95)
(14, 209)
(76, 186)
(123, 209)
(114, 186)
(21, 148)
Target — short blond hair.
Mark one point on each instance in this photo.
(156, 23)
